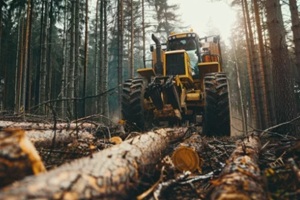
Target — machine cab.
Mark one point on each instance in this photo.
(185, 41)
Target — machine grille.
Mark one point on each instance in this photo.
(175, 64)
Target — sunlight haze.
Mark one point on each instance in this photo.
(200, 14)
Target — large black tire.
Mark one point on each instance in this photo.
(133, 103)
(216, 109)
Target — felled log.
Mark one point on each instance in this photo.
(49, 135)
(113, 173)
(187, 155)
(46, 138)
(46, 126)
(18, 157)
(241, 178)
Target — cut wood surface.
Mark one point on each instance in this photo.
(187, 155)
(241, 177)
(113, 173)
(18, 157)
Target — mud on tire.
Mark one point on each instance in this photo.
(216, 110)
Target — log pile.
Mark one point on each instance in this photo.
(113, 173)
(230, 168)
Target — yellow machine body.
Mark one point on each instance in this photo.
(176, 62)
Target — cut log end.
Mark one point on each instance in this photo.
(186, 159)
(18, 156)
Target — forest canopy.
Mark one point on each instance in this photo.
(70, 58)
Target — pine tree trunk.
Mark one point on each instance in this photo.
(114, 173)
(101, 54)
(105, 64)
(131, 64)
(255, 118)
(296, 33)
(49, 87)
(26, 55)
(64, 67)
(120, 51)
(285, 102)
(96, 102)
(19, 66)
(1, 5)
(77, 75)
(71, 67)
(265, 97)
(43, 72)
(85, 56)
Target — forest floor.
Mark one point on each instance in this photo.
(279, 162)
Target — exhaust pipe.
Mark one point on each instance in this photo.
(158, 65)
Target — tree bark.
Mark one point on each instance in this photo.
(285, 102)
(265, 95)
(120, 50)
(241, 179)
(85, 56)
(254, 108)
(71, 67)
(43, 68)
(105, 64)
(296, 33)
(113, 173)
(26, 56)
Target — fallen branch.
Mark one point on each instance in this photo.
(279, 125)
(164, 185)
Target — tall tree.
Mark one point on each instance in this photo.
(19, 65)
(2, 5)
(49, 67)
(165, 16)
(131, 63)
(26, 54)
(43, 69)
(101, 60)
(283, 81)
(296, 33)
(85, 54)
(249, 68)
(120, 49)
(105, 64)
(96, 45)
(265, 98)
(144, 34)
(253, 67)
(71, 66)
(65, 62)
(77, 58)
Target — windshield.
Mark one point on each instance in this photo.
(187, 44)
